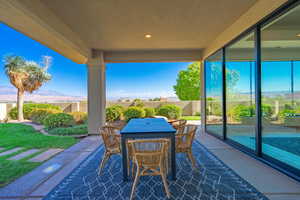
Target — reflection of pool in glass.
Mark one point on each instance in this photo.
(289, 144)
(281, 146)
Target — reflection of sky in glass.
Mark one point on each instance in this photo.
(214, 78)
(276, 76)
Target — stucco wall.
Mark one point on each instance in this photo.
(188, 107)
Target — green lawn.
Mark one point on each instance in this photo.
(19, 135)
(191, 117)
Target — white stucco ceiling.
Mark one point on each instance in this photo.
(174, 24)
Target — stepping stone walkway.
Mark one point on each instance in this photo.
(45, 155)
(24, 154)
(11, 151)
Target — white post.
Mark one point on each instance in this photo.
(202, 88)
(96, 94)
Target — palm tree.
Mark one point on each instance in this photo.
(26, 76)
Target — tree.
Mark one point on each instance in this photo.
(26, 76)
(188, 83)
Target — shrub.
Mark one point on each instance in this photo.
(29, 107)
(137, 103)
(58, 120)
(286, 113)
(197, 114)
(38, 115)
(74, 130)
(149, 112)
(134, 112)
(267, 111)
(239, 111)
(79, 117)
(121, 108)
(170, 111)
(114, 113)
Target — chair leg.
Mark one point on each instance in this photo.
(191, 158)
(137, 176)
(164, 179)
(104, 160)
(128, 166)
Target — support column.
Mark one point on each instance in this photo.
(203, 95)
(96, 93)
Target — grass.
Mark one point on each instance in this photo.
(19, 135)
(74, 130)
(191, 117)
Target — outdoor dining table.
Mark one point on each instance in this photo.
(148, 128)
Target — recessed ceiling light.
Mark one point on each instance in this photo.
(148, 36)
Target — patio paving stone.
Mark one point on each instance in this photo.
(11, 151)
(24, 154)
(45, 155)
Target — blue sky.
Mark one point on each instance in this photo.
(134, 80)
(123, 80)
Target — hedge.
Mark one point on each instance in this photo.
(58, 120)
(170, 111)
(74, 130)
(79, 117)
(29, 107)
(149, 112)
(114, 113)
(134, 112)
(38, 115)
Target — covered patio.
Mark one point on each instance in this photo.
(99, 32)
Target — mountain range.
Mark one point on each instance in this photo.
(9, 94)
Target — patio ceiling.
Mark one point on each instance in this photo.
(181, 30)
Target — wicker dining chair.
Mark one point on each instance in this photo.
(150, 158)
(112, 143)
(117, 124)
(184, 142)
(179, 125)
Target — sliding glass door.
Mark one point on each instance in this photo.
(261, 67)
(280, 53)
(214, 88)
(240, 95)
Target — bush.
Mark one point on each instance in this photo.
(134, 112)
(114, 113)
(149, 112)
(240, 111)
(38, 115)
(121, 108)
(267, 111)
(58, 120)
(197, 114)
(79, 117)
(170, 111)
(286, 113)
(29, 107)
(74, 130)
(137, 103)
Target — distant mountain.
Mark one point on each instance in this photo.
(8, 94)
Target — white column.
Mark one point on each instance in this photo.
(202, 88)
(96, 93)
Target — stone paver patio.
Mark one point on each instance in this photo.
(45, 155)
(5, 153)
(24, 154)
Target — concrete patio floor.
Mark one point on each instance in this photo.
(275, 185)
